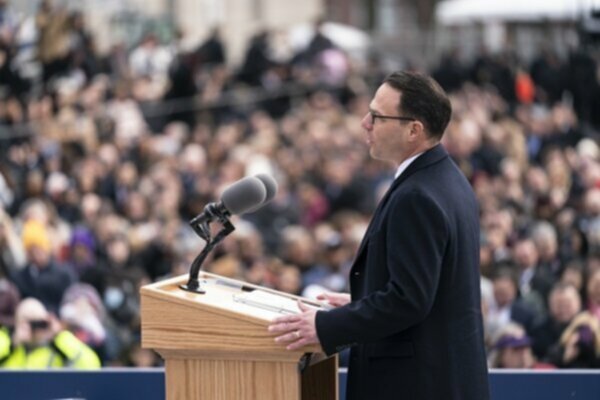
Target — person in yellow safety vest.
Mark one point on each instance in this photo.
(39, 342)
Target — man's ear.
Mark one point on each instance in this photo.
(417, 130)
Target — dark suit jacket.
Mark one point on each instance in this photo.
(545, 335)
(47, 284)
(522, 314)
(415, 322)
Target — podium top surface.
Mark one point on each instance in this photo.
(259, 303)
(225, 301)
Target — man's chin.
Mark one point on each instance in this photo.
(375, 154)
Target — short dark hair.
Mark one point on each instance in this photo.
(505, 270)
(423, 99)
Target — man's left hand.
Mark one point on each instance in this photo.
(298, 330)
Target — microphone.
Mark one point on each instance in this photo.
(271, 188)
(247, 194)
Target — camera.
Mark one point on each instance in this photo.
(37, 325)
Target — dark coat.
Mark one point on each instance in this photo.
(415, 324)
(46, 284)
(522, 314)
(546, 335)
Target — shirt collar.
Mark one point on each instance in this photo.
(402, 167)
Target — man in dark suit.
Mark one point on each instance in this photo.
(413, 320)
(508, 306)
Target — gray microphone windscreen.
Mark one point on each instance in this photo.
(270, 186)
(244, 195)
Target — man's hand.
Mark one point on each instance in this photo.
(335, 299)
(571, 349)
(21, 334)
(54, 324)
(298, 330)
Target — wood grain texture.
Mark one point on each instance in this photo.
(231, 380)
(287, 357)
(173, 326)
(318, 383)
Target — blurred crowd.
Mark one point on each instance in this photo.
(105, 159)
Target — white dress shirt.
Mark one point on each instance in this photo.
(405, 165)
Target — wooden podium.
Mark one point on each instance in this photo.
(216, 345)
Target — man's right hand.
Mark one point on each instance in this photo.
(21, 334)
(335, 299)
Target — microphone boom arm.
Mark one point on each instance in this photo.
(193, 284)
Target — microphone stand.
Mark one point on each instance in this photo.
(203, 230)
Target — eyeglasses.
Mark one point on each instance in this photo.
(375, 116)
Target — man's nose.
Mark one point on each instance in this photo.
(366, 122)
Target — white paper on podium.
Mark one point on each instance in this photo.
(268, 301)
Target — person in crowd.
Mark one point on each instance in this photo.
(82, 312)
(593, 294)
(579, 345)
(38, 341)
(574, 274)
(82, 251)
(546, 241)
(508, 306)
(257, 60)
(512, 349)
(54, 26)
(212, 50)
(43, 277)
(12, 253)
(534, 282)
(564, 304)
(9, 300)
(150, 59)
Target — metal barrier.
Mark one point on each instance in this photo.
(148, 384)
